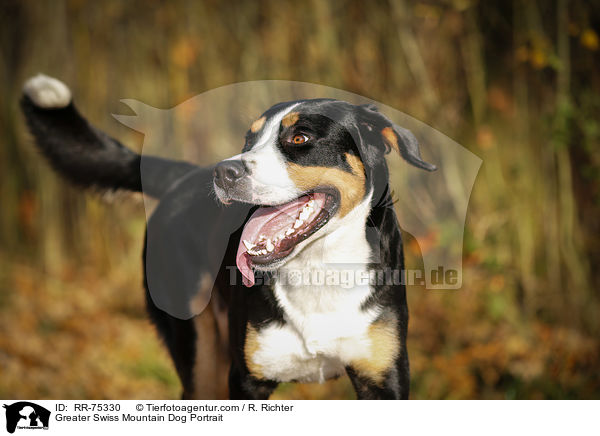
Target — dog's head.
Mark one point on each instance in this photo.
(307, 164)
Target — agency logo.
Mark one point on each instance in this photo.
(24, 415)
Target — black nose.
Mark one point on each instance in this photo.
(228, 172)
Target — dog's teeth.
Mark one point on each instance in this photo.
(261, 237)
(252, 253)
(270, 246)
(311, 204)
(298, 223)
(249, 245)
(304, 214)
(263, 252)
(289, 231)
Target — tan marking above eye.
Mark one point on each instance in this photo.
(390, 138)
(258, 124)
(351, 186)
(290, 119)
(251, 347)
(385, 348)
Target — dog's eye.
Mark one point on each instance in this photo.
(299, 138)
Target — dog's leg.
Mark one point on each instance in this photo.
(198, 347)
(198, 351)
(242, 386)
(384, 374)
(392, 385)
(211, 363)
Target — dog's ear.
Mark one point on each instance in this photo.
(379, 131)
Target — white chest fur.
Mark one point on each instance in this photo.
(325, 327)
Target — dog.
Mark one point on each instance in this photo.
(308, 193)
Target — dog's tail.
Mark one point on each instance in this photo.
(85, 155)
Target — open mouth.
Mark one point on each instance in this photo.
(271, 233)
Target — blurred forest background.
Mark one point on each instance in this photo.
(516, 82)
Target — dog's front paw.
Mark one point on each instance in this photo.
(47, 92)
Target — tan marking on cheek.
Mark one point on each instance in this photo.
(257, 125)
(390, 138)
(356, 164)
(290, 119)
(385, 348)
(351, 186)
(251, 347)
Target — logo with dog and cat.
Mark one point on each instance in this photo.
(24, 415)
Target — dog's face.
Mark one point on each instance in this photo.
(307, 164)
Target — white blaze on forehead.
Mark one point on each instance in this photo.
(267, 165)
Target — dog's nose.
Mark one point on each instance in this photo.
(228, 172)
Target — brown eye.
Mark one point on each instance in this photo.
(299, 139)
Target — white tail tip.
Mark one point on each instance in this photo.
(47, 92)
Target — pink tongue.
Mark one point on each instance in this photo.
(243, 263)
(265, 219)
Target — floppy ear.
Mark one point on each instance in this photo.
(392, 137)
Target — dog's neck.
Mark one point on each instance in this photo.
(326, 271)
(323, 310)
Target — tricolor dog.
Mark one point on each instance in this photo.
(305, 206)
